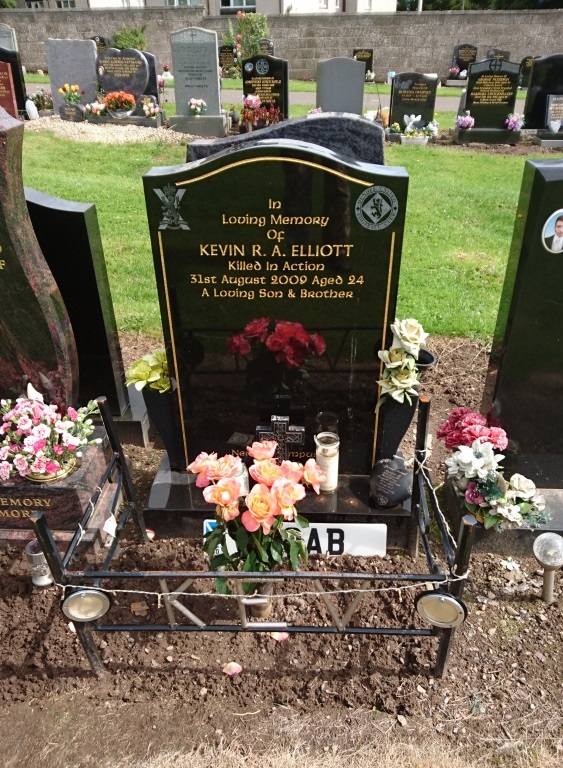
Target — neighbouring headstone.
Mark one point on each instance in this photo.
(227, 58)
(13, 62)
(546, 78)
(151, 88)
(123, 70)
(525, 377)
(90, 309)
(311, 238)
(267, 46)
(349, 135)
(196, 76)
(464, 54)
(365, 55)
(552, 135)
(72, 62)
(525, 71)
(498, 53)
(7, 91)
(8, 38)
(340, 85)
(101, 42)
(492, 87)
(267, 77)
(36, 339)
(413, 94)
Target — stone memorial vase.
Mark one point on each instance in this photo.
(119, 114)
(421, 140)
(66, 469)
(160, 408)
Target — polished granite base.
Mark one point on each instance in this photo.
(549, 139)
(484, 136)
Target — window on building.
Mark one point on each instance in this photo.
(232, 6)
(66, 4)
(35, 5)
(180, 2)
(367, 5)
(323, 3)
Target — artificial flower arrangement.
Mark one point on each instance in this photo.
(71, 93)
(431, 129)
(119, 100)
(256, 539)
(475, 470)
(197, 106)
(150, 371)
(42, 99)
(39, 439)
(465, 121)
(150, 108)
(453, 72)
(95, 109)
(249, 106)
(317, 111)
(514, 122)
(400, 377)
(395, 128)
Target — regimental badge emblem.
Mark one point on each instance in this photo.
(249, 66)
(170, 197)
(262, 67)
(376, 208)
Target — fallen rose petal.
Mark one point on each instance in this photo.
(71, 627)
(139, 609)
(232, 668)
(150, 534)
(279, 636)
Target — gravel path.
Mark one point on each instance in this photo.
(105, 133)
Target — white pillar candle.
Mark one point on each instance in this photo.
(328, 445)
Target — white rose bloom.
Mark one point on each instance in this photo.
(395, 358)
(510, 512)
(522, 486)
(538, 501)
(408, 334)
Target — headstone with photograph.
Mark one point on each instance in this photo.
(413, 94)
(227, 59)
(101, 42)
(8, 38)
(72, 62)
(266, 45)
(13, 80)
(340, 85)
(546, 79)
(123, 70)
(196, 76)
(267, 77)
(365, 55)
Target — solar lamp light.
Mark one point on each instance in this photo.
(548, 551)
(85, 604)
(441, 609)
(37, 564)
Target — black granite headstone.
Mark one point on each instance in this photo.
(351, 136)
(498, 53)
(267, 77)
(73, 113)
(310, 238)
(266, 46)
(12, 58)
(125, 70)
(525, 379)
(101, 42)
(227, 56)
(525, 71)
(151, 88)
(464, 55)
(492, 86)
(365, 55)
(413, 94)
(90, 308)
(546, 78)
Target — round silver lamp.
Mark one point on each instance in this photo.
(440, 609)
(86, 605)
(548, 551)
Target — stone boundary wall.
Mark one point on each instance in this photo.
(420, 42)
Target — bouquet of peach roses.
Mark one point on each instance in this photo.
(255, 538)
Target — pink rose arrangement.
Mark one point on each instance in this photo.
(255, 538)
(38, 438)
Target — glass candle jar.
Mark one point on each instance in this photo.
(328, 447)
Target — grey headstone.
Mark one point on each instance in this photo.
(72, 62)
(195, 67)
(8, 38)
(125, 70)
(352, 136)
(340, 85)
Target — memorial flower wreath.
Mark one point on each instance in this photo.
(256, 539)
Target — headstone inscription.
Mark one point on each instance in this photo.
(7, 92)
(464, 55)
(340, 85)
(525, 375)
(525, 71)
(73, 113)
(36, 338)
(73, 62)
(267, 77)
(365, 55)
(310, 238)
(227, 57)
(266, 45)
(13, 62)
(413, 94)
(123, 70)
(196, 76)
(8, 38)
(498, 53)
(546, 78)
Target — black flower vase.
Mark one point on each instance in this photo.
(160, 408)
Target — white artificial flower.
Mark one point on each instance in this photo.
(475, 460)
(396, 358)
(521, 487)
(408, 334)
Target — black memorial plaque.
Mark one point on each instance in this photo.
(266, 45)
(267, 77)
(7, 92)
(413, 94)
(227, 56)
(525, 71)
(12, 59)
(498, 53)
(365, 55)
(525, 378)
(492, 86)
(73, 113)
(125, 70)
(464, 55)
(310, 238)
(546, 78)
